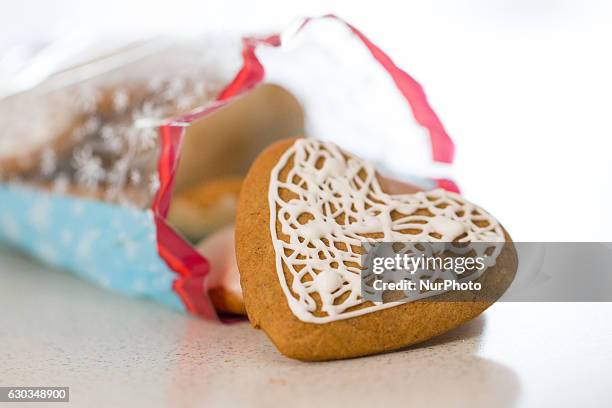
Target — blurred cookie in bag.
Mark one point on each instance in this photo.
(223, 281)
(200, 210)
(94, 126)
(305, 210)
(37, 128)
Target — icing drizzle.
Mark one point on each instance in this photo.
(325, 203)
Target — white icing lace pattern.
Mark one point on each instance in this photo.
(331, 186)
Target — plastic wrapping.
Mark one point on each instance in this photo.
(91, 159)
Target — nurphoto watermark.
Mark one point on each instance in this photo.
(539, 271)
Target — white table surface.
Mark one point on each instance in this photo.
(115, 351)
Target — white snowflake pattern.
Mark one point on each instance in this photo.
(148, 222)
(162, 281)
(174, 89)
(117, 177)
(79, 133)
(40, 214)
(121, 100)
(118, 121)
(135, 177)
(154, 183)
(89, 170)
(155, 84)
(112, 139)
(60, 183)
(86, 99)
(142, 139)
(185, 101)
(148, 110)
(92, 124)
(139, 286)
(200, 89)
(129, 246)
(78, 208)
(66, 237)
(85, 244)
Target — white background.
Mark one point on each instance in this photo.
(523, 87)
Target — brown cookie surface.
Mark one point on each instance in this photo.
(226, 301)
(382, 330)
(205, 208)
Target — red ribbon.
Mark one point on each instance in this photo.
(179, 255)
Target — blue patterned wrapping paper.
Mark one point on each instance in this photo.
(109, 245)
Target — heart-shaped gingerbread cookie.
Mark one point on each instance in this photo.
(304, 208)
